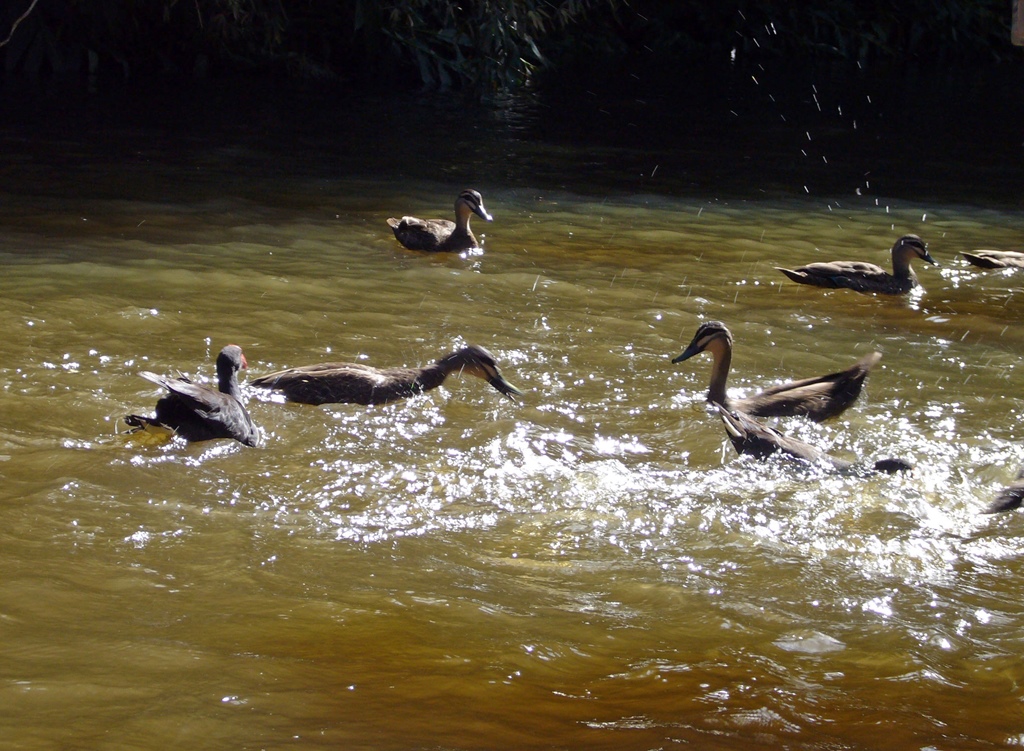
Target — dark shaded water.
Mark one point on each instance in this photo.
(590, 567)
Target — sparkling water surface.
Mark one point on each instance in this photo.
(589, 566)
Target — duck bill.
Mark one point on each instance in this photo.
(481, 212)
(928, 257)
(688, 353)
(505, 387)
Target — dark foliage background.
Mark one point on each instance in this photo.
(484, 45)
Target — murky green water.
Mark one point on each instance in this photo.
(591, 567)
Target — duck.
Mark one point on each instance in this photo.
(748, 436)
(867, 277)
(1010, 497)
(815, 398)
(199, 413)
(995, 259)
(355, 383)
(440, 235)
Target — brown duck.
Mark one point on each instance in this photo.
(995, 259)
(441, 235)
(1010, 497)
(354, 383)
(867, 277)
(748, 436)
(198, 413)
(816, 398)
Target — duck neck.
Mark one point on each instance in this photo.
(227, 382)
(462, 214)
(722, 354)
(433, 375)
(901, 263)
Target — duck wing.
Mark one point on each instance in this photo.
(421, 234)
(341, 383)
(855, 275)
(751, 437)
(748, 436)
(817, 398)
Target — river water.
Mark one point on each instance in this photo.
(590, 566)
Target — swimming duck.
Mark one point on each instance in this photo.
(748, 436)
(439, 234)
(354, 383)
(198, 413)
(867, 277)
(995, 259)
(1010, 497)
(816, 398)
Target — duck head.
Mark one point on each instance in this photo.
(471, 202)
(911, 246)
(713, 336)
(479, 362)
(230, 360)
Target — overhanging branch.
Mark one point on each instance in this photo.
(21, 18)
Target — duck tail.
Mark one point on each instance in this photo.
(797, 276)
(981, 261)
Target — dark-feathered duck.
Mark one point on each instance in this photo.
(439, 235)
(817, 398)
(199, 413)
(356, 383)
(868, 277)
